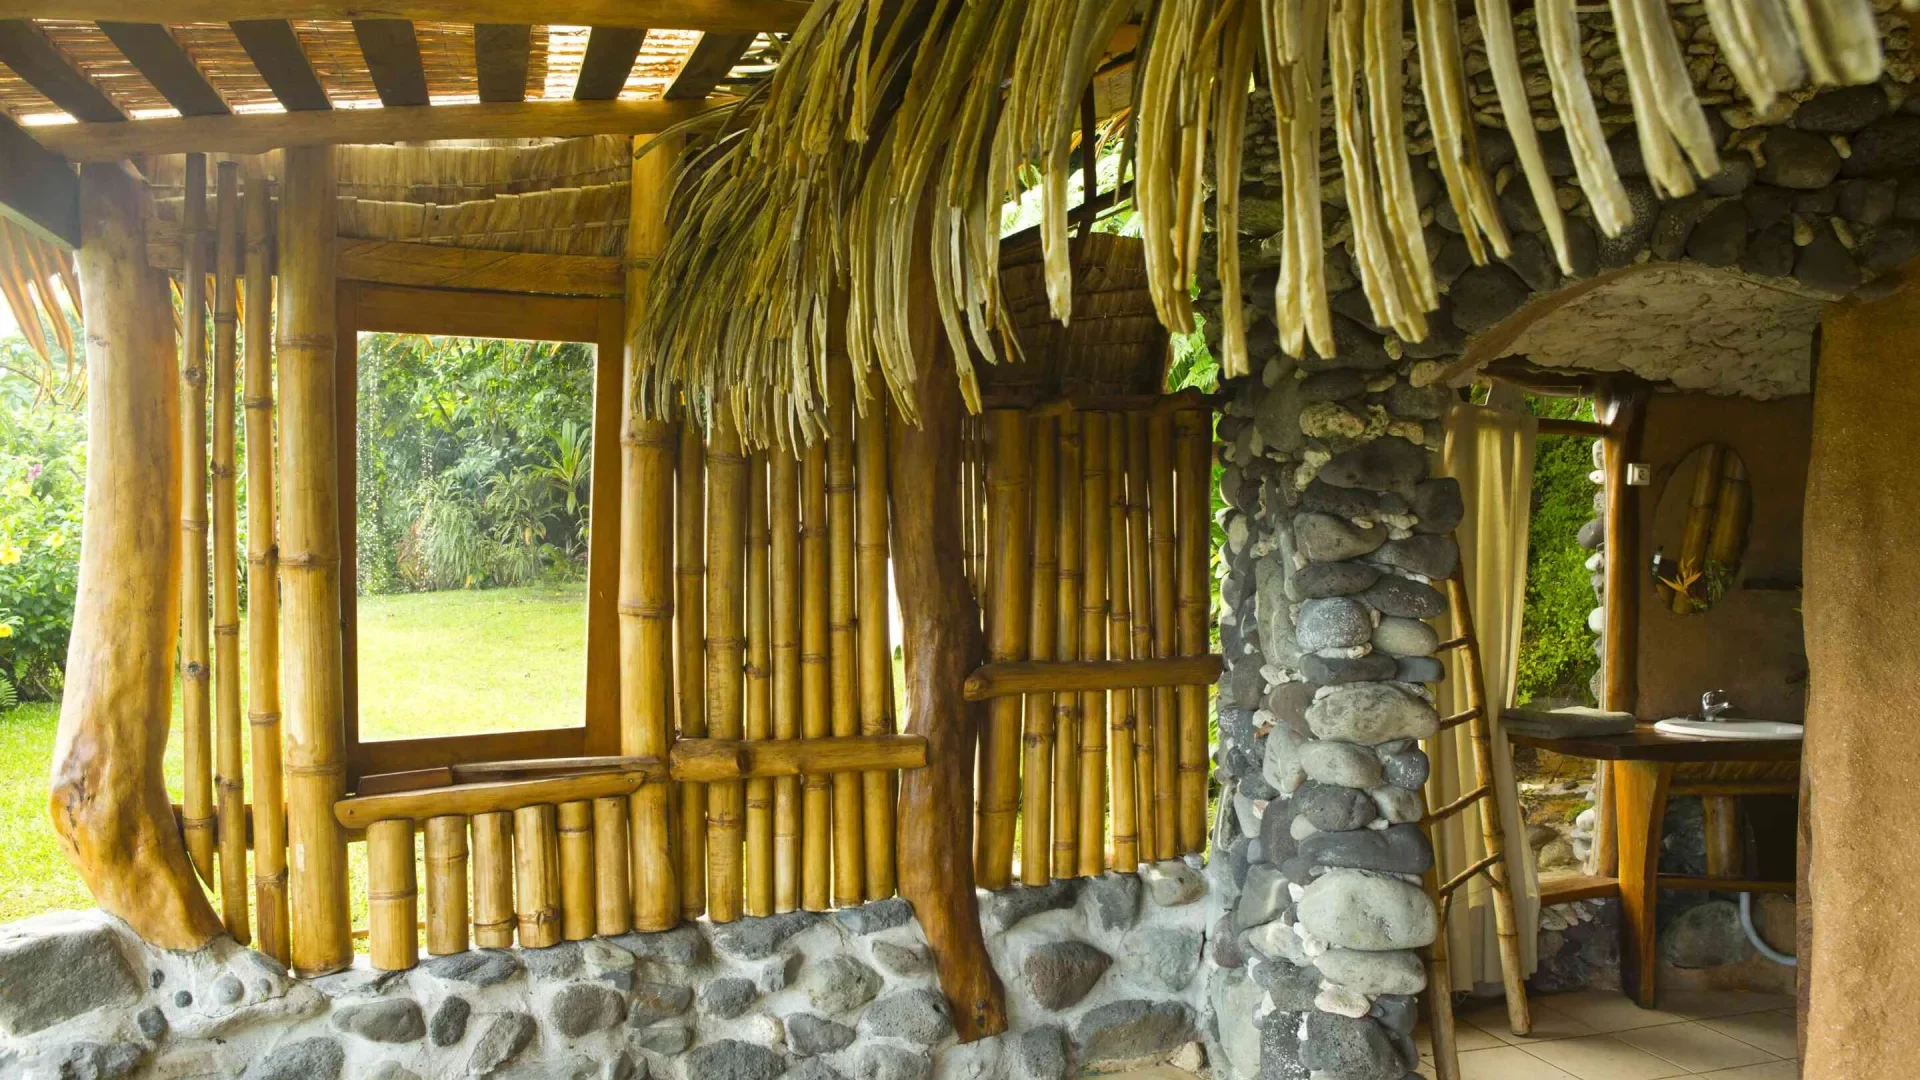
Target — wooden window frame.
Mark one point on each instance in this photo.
(598, 321)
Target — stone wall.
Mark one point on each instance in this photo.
(1098, 973)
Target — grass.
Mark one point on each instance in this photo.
(430, 664)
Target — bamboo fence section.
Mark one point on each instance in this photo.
(536, 875)
(230, 784)
(1066, 715)
(784, 581)
(874, 639)
(815, 694)
(1193, 431)
(1126, 838)
(1139, 615)
(612, 902)
(726, 649)
(197, 811)
(447, 884)
(578, 901)
(392, 900)
(1036, 789)
(1092, 832)
(849, 879)
(1006, 631)
(758, 899)
(690, 635)
(493, 917)
(1160, 547)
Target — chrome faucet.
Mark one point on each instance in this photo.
(1713, 704)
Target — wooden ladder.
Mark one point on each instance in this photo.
(1486, 796)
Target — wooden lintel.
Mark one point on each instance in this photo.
(774, 16)
(38, 188)
(257, 133)
(1029, 677)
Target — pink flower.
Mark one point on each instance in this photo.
(33, 472)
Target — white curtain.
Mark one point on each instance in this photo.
(1489, 449)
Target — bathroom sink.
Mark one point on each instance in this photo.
(1730, 729)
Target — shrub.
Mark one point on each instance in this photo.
(1556, 648)
(42, 482)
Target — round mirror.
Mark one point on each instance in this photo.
(1700, 529)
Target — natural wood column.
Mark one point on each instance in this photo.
(109, 799)
(310, 560)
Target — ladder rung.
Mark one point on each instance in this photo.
(1451, 643)
(1461, 878)
(1458, 804)
(1454, 721)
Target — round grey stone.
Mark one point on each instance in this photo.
(1405, 637)
(1387, 464)
(54, 977)
(1400, 849)
(1721, 236)
(1432, 557)
(152, 1022)
(449, 1022)
(667, 1039)
(228, 990)
(318, 1058)
(1123, 1030)
(880, 1061)
(756, 939)
(916, 1015)
(1352, 909)
(731, 996)
(476, 967)
(1373, 973)
(1163, 957)
(96, 1061)
(1350, 1048)
(1322, 579)
(731, 1059)
(1060, 973)
(1037, 1054)
(1840, 111)
(553, 962)
(1332, 809)
(808, 1035)
(1354, 346)
(1417, 669)
(1323, 538)
(1333, 670)
(1405, 598)
(1114, 900)
(653, 1000)
(1336, 385)
(874, 917)
(1438, 504)
(1825, 264)
(1889, 146)
(581, 1008)
(902, 960)
(840, 984)
(1485, 295)
(393, 1020)
(1332, 623)
(503, 1038)
(1344, 764)
(1371, 713)
(1798, 160)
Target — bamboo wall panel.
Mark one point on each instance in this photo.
(784, 581)
(690, 638)
(1193, 429)
(1006, 630)
(1036, 788)
(446, 885)
(392, 901)
(1091, 832)
(1066, 715)
(849, 880)
(197, 811)
(230, 783)
(758, 898)
(726, 648)
(815, 694)
(493, 916)
(578, 903)
(875, 639)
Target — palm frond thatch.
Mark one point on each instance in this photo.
(29, 268)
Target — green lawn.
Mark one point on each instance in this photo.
(430, 664)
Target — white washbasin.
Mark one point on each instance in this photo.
(1731, 729)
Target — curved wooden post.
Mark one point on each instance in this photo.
(109, 800)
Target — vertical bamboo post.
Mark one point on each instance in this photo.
(1699, 526)
(310, 560)
(197, 813)
(815, 691)
(1036, 786)
(981, 508)
(968, 511)
(875, 640)
(1066, 722)
(690, 629)
(849, 875)
(1161, 549)
(1092, 832)
(726, 646)
(646, 595)
(536, 876)
(784, 582)
(263, 579)
(493, 919)
(1192, 443)
(230, 783)
(392, 900)
(1139, 600)
(577, 900)
(758, 898)
(1126, 827)
(446, 885)
(612, 901)
(1006, 617)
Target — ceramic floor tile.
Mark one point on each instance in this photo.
(1548, 1024)
(1708, 1004)
(1695, 1046)
(1603, 1057)
(1507, 1063)
(1772, 1070)
(1770, 1031)
(1606, 1012)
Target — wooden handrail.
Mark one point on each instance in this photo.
(470, 799)
(1035, 677)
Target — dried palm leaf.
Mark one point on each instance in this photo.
(1757, 39)
(1573, 101)
(1503, 58)
(1839, 39)
(1443, 82)
(1230, 118)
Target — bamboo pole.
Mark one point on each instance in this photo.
(1036, 787)
(875, 637)
(393, 907)
(759, 723)
(195, 714)
(849, 875)
(1192, 440)
(1094, 513)
(577, 900)
(263, 580)
(310, 562)
(1126, 836)
(1006, 614)
(815, 693)
(784, 581)
(536, 876)
(690, 628)
(493, 918)
(1161, 550)
(1139, 616)
(1728, 540)
(1066, 721)
(446, 885)
(230, 782)
(1699, 526)
(612, 902)
(726, 647)
(968, 510)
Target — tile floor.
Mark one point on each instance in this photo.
(1603, 1036)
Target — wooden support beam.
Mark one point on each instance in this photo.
(712, 58)
(276, 51)
(34, 57)
(611, 51)
(260, 132)
(500, 55)
(38, 189)
(773, 16)
(152, 48)
(1027, 677)
(398, 262)
(392, 51)
(363, 810)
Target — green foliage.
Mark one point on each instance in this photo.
(1556, 649)
(42, 480)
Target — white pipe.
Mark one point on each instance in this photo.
(1753, 935)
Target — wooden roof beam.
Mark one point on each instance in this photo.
(393, 59)
(712, 58)
(778, 16)
(260, 132)
(611, 51)
(282, 61)
(153, 49)
(500, 55)
(38, 188)
(34, 57)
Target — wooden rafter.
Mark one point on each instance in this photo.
(778, 16)
(282, 61)
(152, 48)
(712, 58)
(259, 133)
(393, 59)
(34, 57)
(611, 51)
(500, 55)
(38, 188)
